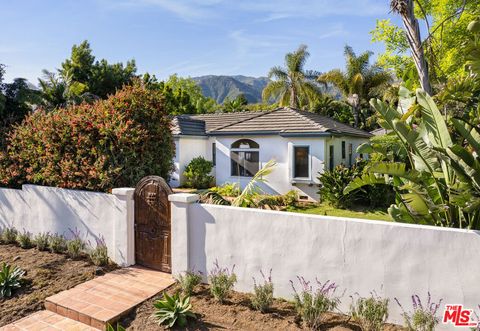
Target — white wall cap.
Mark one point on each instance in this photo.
(183, 197)
(123, 191)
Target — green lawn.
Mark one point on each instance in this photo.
(355, 212)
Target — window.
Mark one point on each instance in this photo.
(343, 150)
(214, 154)
(244, 156)
(350, 149)
(331, 163)
(301, 162)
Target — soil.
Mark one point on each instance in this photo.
(46, 274)
(236, 314)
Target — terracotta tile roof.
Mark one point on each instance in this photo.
(282, 121)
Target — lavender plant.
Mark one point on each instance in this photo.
(422, 318)
(9, 235)
(57, 243)
(99, 254)
(371, 313)
(75, 245)
(221, 282)
(41, 241)
(188, 281)
(24, 239)
(311, 304)
(262, 298)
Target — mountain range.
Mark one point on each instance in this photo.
(222, 87)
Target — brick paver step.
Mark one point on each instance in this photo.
(106, 298)
(46, 321)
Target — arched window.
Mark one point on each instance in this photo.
(244, 156)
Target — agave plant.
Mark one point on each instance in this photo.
(173, 310)
(10, 279)
(440, 184)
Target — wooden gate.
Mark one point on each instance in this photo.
(152, 224)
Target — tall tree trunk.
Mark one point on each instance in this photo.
(405, 9)
(293, 98)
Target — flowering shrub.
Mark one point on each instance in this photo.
(221, 282)
(371, 312)
(423, 318)
(110, 143)
(262, 298)
(311, 304)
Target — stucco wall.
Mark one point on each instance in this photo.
(396, 260)
(280, 149)
(47, 209)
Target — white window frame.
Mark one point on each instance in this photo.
(292, 162)
(244, 150)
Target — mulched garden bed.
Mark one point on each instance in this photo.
(46, 274)
(236, 314)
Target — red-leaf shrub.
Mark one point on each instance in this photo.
(111, 143)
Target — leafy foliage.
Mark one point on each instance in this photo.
(262, 298)
(293, 85)
(112, 328)
(227, 189)
(235, 105)
(10, 279)
(371, 313)
(173, 310)
(197, 173)
(441, 184)
(311, 304)
(75, 245)
(221, 282)
(112, 143)
(188, 281)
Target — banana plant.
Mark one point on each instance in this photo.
(440, 182)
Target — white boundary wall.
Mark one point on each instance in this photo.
(396, 260)
(47, 209)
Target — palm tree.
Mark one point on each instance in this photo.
(293, 85)
(405, 9)
(359, 82)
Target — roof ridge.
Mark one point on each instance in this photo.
(260, 113)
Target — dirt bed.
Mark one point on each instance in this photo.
(46, 274)
(236, 314)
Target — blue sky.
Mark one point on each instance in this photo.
(188, 37)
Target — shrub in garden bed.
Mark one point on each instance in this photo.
(221, 282)
(173, 310)
(99, 254)
(9, 235)
(423, 317)
(110, 143)
(371, 313)
(57, 243)
(312, 303)
(188, 281)
(41, 241)
(197, 173)
(24, 239)
(262, 298)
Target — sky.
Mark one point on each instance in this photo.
(187, 37)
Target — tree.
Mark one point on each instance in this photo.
(405, 9)
(445, 24)
(82, 78)
(359, 82)
(292, 85)
(235, 105)
(182, 95)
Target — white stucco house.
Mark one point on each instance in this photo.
(302, 143)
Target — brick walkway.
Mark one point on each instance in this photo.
(46, 320)
(101, 300)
